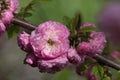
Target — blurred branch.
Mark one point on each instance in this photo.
(100, 59)
(104, 61)
(23, 24)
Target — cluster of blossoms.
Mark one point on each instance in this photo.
(48, 47)
(7, 10)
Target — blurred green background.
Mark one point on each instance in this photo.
(11, 57)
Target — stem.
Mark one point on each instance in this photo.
(102, 60)
(23, 24)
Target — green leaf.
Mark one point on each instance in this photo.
(87, 29)
(13, 30)
(28, 14)
(106, 78)
(67, 21)
(98, 71)
(101, 73)
(63, 75)
(75, 23)
(26, 11)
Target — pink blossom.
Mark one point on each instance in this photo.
(97, 43)
(23, 42)
(83, 48)
(53, 65)
(94, 46)
(73, 56)
(47, 46)
(7, 17)
(7, 11)
(50, 40)
(12, 5)
(2, 28)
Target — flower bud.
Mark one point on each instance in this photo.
(23, 42)
(31, 59)
(73, 56)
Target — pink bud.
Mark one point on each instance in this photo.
(73, 56)
(31, 59)
(23, 42)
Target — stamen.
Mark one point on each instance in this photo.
(50, 42)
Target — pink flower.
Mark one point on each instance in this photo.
(2, 28)
(47, 46)
(97, 44)
(12, 5)
(94, 46)
(7, 10)
(83, 48)
(50, 40)
(7, 17)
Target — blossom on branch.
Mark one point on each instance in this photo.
(48, 47)
(7, 10)
(50, 40)
(94, 45)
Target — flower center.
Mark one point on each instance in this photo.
(50, 42)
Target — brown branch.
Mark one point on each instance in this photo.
(102, 60)
(23, 24)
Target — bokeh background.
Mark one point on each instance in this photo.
(11, 57)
